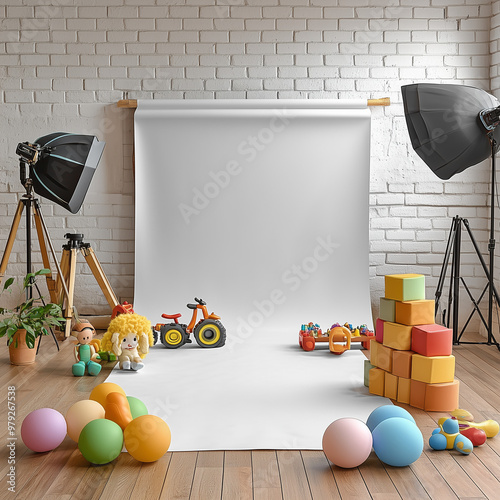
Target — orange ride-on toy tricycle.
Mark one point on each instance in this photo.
(208, 332)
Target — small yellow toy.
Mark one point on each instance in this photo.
(466, 421)
(128, 337)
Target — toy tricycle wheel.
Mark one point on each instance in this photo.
(210, 333)
(173, 336)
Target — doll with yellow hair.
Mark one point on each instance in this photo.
(129, 337)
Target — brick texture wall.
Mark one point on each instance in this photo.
(64, 64)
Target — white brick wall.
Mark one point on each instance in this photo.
(63, 66)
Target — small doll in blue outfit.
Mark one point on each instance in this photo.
(85, 352)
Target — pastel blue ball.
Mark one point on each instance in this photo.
(384, 412)
(451, 426)
(397, 441)
(438, 441)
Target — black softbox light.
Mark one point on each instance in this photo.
(444, 125)
(454, 127)
(66, 166)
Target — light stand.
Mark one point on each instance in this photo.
(30, 205)
(454, 127)
(68, 275)
(61, 166)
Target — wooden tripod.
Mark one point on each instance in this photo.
(61, 291)
(68, 275)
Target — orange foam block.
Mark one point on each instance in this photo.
(404, 287)
(397, 336)
(401, 363)
(404, 389)
(381, 356)
(432, 340)
(434, 369)
(442, 397)
(390, 386)
(417, 394)
(434, 397)
(377, 381)
(415, 312)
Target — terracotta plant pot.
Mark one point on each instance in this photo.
(22, 354)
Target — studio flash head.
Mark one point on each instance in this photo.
(28, 152)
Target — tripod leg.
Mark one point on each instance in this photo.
(11, 238)
(99, 275)
(492, 292)
(456, 280)
(64, 266)
(51, 283)
(70, 282)
(449, 248)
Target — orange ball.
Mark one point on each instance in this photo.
(147, 438)
(99, 392)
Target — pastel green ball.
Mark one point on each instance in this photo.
(137, 407)
(101, 441)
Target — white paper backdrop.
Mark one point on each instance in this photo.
(258, 207)
(261, 209)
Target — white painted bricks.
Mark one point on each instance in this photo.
(62, 67)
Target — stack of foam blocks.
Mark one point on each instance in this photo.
(410, 357)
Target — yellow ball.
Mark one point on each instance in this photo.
(80, 414)
(99, 392)
(147, 438)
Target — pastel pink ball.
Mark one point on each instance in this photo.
(347, 442)
(43, 430)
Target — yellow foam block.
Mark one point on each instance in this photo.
(390, 386)
(404, 385)
(415, 312)
(381, 356)
(404, 287)
(397, 336)
(434, 369)
(377, 381)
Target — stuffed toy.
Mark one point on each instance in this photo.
(128, 337)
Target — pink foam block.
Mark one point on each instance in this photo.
(432, 340)
(379, 330)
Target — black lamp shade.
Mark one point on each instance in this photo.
(66, 167)
(444, 125)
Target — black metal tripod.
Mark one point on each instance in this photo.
(453, 245)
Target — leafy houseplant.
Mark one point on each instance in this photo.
(31, 316)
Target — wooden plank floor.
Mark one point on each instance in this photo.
(64, 474)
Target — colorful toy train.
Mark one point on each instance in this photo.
(339, 337)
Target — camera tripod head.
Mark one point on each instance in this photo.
(75, 240)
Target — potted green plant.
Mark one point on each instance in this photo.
(25, 323)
